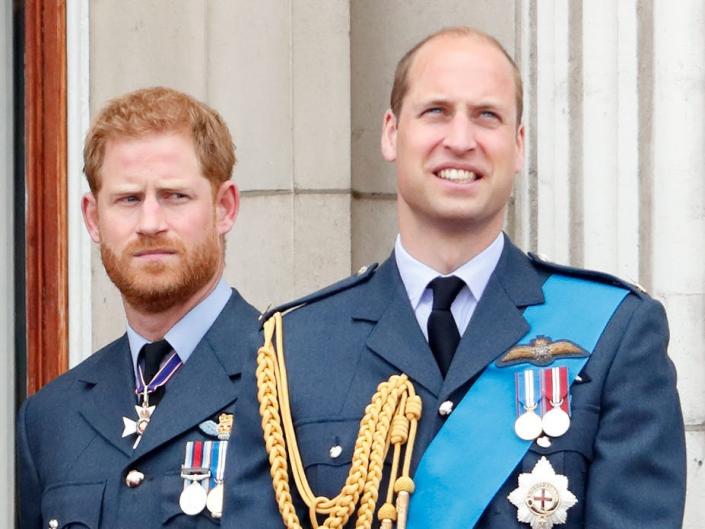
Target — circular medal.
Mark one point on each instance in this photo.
(192, 499)
(215, 501)
(528, 426)
(556, 422)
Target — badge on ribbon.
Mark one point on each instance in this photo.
(555, 401)
(528, 423)
(542, 498)
(143, 390)
(545, 391)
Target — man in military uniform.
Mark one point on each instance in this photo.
(548, 396)
(136, 435)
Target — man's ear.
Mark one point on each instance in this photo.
(389, 136)
(89, 208)
(519, 163)
(227, 205)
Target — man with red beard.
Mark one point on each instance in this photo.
(137, 435)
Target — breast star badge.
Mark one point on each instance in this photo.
(542, 498)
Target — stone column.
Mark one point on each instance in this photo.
(676, 205)
(614, 174)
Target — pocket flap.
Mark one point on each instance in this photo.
(580, 437)
(73, 504)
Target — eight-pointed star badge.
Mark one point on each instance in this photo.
(542, 497)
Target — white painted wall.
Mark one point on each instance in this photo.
(78, 114)
(7, 343)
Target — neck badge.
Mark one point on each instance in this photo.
(144, 414)
(143, 390)
(542, 498)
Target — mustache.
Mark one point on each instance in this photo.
(154, 243)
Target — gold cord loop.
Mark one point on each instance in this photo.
(390, 418)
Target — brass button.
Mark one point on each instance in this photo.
(134, 478)
(335, 451)
(53, 523)
(445, 408)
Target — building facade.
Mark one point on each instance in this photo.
(613, 180)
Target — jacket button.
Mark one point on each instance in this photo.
(335, 451)
(53, 524)
(134, 478)
(445, 408)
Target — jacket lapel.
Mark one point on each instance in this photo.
(205, 385)
(498, 321)
(396, 336)
(110, 395)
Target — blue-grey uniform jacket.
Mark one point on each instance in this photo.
(624, 455)
(73, 461)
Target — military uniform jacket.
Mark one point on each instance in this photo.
(73, 461)
(624, 455)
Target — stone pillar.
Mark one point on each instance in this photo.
(614, 178)
(676, 205)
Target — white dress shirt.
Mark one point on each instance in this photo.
(475, 273)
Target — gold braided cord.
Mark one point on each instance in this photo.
(390, 419)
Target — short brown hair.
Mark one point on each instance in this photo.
(401, 74)
(160, 109)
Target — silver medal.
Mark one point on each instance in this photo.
(215, 501)
(528, 426)
(193, 499)
(556, 422)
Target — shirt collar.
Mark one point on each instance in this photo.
(475, 273)
(185, 335)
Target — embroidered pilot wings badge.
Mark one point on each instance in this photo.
(541, 351)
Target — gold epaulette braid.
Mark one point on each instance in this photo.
(390, 418)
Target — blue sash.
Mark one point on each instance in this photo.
(476, 449)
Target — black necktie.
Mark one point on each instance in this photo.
(150, 357)
(443, 335)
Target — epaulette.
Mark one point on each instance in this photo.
(361, 276)
(594, 275)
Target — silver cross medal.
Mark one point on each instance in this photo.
(144, 414)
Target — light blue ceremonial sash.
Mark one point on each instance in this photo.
(476, 449)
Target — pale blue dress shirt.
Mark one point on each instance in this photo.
(476, 273)
(188, 331)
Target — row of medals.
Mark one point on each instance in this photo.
(194, 498)
(529, 425)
